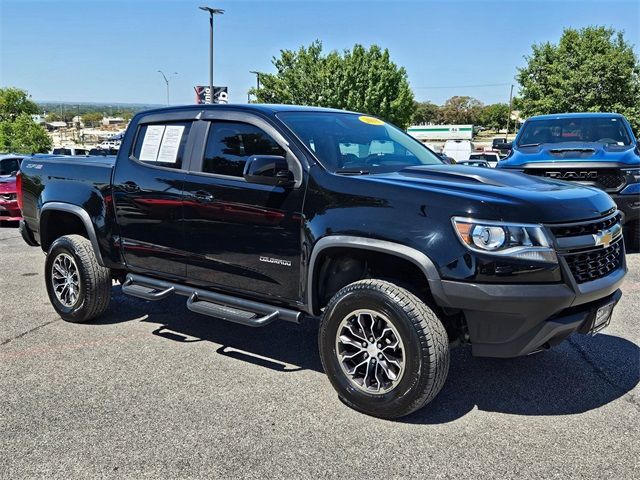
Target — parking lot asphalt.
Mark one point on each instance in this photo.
(153, 390)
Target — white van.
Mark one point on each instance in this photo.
(459, 150)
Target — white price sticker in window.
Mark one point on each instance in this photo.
(151, 143)
(170, 144)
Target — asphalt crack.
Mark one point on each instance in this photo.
(20, 335)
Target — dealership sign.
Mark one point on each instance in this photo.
(203, 94)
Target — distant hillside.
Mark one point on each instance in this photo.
(67, 110)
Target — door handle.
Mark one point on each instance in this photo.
(130, 187)
(202, 196)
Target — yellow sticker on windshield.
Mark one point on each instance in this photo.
(370, 120)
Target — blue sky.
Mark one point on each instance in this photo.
(110, 51)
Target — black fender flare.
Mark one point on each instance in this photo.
(84, 217)
(420, 259)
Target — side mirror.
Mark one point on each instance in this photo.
(268, 170)
(505, 146)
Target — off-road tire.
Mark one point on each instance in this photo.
(94, 280)
(423, 336)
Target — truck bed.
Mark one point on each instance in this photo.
(75, 180)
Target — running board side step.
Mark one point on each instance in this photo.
(230, 314)
(145, 293)
(218, 305)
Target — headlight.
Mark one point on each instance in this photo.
(635, 172)
(528, 242)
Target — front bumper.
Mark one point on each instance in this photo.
(505, 320)
(9, 211)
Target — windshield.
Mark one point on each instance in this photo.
(352, 143)
(609, 130)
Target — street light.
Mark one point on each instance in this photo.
(166, 80)
(257, 74)
(212, 12)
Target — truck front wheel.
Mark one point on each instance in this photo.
(79, 288)
(383, 349)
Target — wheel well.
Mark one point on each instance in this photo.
(338, 267)
(55, 224)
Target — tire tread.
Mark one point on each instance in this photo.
(431, 333)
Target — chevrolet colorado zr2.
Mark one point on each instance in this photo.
(263, 213)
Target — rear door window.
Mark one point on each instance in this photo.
(162, 145)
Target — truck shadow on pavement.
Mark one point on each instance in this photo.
(581, 374)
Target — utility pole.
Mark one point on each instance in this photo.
(509, 116)
(166, 81)
(212, 12)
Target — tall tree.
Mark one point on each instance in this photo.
(494, 116)
(460, 110)
(361, 79)
(23, 135)
(425, 113)
(13, 102)
(18, 132)
(592, 69)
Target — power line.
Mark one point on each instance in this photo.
(465, 86)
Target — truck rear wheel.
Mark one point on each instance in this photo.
(79, 288)
(383, 349)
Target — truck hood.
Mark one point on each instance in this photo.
(572, 152)
(503, 195)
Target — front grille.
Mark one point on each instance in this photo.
(594, 264)
(577, 245)
(610, 180)
(586, 228)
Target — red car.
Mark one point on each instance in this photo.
(9, 210)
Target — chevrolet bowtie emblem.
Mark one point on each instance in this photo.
(605, 237)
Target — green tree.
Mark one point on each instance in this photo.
(494, 116)
(23, 135)
(54, 117)
(13, 102)
(91, 119)
(361, 79)
(18, 132)
(460, 110)
(592, 69)
(425, 113)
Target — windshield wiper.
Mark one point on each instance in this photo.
(529, 145)
(352, 171)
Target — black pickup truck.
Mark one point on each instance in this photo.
(259, 213)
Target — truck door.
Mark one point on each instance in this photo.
(148, 196)
(242, 236)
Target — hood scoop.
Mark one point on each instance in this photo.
(454, 173)
(572, 152)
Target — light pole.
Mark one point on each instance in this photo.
(257, 74)
(166, 80)
(506, 137)
(212, 12)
